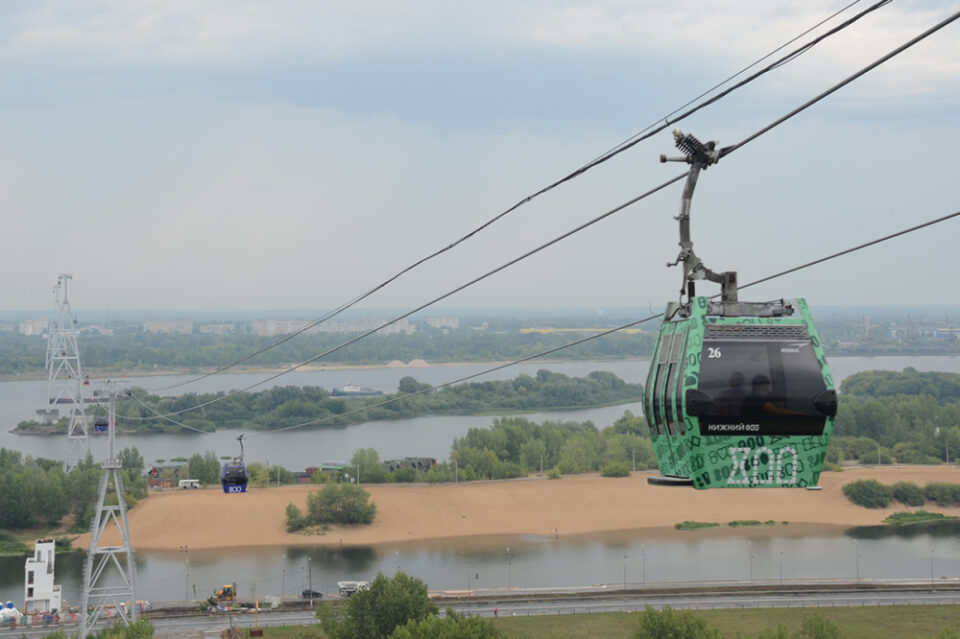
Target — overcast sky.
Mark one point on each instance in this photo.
(244, 155)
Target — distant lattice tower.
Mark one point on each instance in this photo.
(65, 383)
(108, 584)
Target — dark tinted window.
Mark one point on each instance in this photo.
(760, 386)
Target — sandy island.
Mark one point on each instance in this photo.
(573, 505)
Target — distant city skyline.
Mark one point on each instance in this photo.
(267, 155)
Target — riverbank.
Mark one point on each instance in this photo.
(572, 505)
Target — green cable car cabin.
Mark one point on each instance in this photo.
(739, 394)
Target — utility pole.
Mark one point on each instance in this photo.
(65, 383)
(100, 588)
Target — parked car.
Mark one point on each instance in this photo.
(311, 594)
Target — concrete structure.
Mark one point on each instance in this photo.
(40, 594)
(271, 327)
(451, 323)
(33, 327)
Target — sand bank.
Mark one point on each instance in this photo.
(571, 505)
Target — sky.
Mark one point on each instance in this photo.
(264, 155)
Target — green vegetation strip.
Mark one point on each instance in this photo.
(286, 406)
(694, 525)
(916, 517)
(871, 622)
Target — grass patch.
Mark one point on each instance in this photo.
(695, 525)
(753, 522)
(873, 622)
(10, 546)
(915, 517)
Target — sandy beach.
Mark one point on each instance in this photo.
(572, 505)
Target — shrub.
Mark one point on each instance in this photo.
(943, 494)
(295, 518)
(405, 475)
(616, 469)
(868, 493)
(915, 517)
(554, 473)
(693, 525)
(907, 493)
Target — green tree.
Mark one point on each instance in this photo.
(375, 613)
(366, 461)
(131, 461)
(673, 624)
(453, 626)
(295, 519)
(340, 504)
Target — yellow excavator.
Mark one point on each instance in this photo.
(227, 593)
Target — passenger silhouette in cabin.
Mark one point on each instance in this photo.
(762, 401)
(731, 398)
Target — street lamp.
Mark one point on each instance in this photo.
(781, 567)
(186, 573)
(856, 548)
(509, 575)
(644, 553)
(310, 577)
(750, 546)
(624, 573)
(283, 576)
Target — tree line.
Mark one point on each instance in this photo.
(910, 417)
(138, 351)
(37, 492)
(285, 406)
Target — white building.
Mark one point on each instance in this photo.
(40, 593)
(33, 327)
(452, 323)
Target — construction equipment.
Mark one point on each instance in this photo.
(227, 593)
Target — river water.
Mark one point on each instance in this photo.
(789, 552)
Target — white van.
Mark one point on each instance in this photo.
(189, 483)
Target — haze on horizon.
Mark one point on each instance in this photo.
(260, 155)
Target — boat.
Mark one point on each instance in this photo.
(352, 390)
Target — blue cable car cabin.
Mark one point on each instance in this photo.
(233, 477)
(101, 424)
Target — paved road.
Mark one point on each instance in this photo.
(527, 605)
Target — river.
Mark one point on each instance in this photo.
(634, 558)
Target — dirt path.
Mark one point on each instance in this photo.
(571, 505)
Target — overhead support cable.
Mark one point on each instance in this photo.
(440, 298)
(873, 65)
(723, 152)
(630, 142)
(600, 334)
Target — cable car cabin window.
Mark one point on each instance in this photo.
(663, 359)
(761, 386)
(677, 395)
(649, 397)
(672, 417)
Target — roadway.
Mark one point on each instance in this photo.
(523, 603)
